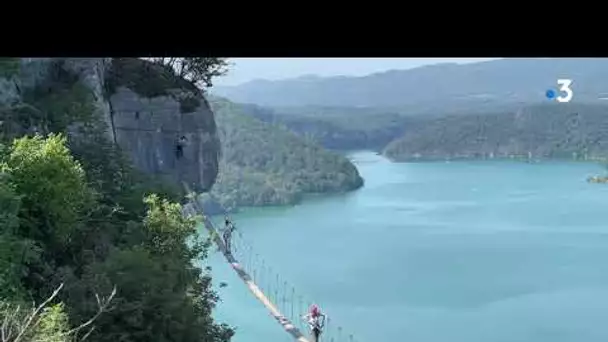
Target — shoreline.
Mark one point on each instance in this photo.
(599, 179)
(497, 159)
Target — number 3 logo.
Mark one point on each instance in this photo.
(565, 87)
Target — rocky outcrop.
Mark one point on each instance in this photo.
(154, 129)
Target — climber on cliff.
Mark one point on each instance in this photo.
(179, 147)
(315, 320)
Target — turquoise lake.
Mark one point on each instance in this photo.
(492, 251)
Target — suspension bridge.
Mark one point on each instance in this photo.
(279, 298)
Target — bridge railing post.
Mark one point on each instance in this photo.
(300, 311)
(284, 296)
(255, 267)
(270, 274)
(262, 270)
(293, 294)
(276, 290)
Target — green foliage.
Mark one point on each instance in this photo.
(9, 67)
(145, 78)
(557, 131)
(72, 212)
(53, 325)
(148, 79)
(13, 251)
(92, 233)
(51, 106)
(164, 297)
(198, 70)
(54, 201)
(9, 205)
(168, 229)
(159, 299)
(44, 324)
(263, 164)
(339, 128)
(13, 254)
(52, 186)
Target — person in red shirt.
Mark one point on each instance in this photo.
(315, 320)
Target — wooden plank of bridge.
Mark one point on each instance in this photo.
(287, 325)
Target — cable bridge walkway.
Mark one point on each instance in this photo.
(280, 299)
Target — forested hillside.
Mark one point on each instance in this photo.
(541, 131)
(370, 111)
(440, 86)
(265, 164)
(338, 128)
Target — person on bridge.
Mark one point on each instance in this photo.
(227, 234)
(315, 320)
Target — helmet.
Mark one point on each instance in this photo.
(314, 310)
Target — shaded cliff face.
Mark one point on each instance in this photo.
(162, 140)
(148, 126)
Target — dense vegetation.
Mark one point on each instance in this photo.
(264, 164)
(199, 71)
(338, 128)
(153, 77)
(426, 103)
(371, 111)
(75, 216)
(542, 131)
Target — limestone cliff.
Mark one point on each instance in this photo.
(163, 123)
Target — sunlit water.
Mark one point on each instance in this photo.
(437, 252)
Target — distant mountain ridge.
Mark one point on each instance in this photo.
(570, 131)
(497, 82)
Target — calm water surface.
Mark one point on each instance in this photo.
(437, 252)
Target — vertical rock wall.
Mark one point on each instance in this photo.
(147, 129)
(151, 129)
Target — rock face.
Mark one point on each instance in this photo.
(92, 73)
(151, 130)
(147, 128)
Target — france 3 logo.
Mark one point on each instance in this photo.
(565, 90)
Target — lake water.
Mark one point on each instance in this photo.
(435, 252)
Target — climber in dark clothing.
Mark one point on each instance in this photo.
(179, 147)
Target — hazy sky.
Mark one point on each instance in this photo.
(247, 69)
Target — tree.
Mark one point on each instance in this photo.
(52, 186)
(46, 322)
(53, 203)
(71, 212)
(12, 249)
(163, 296)
(198, 70)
